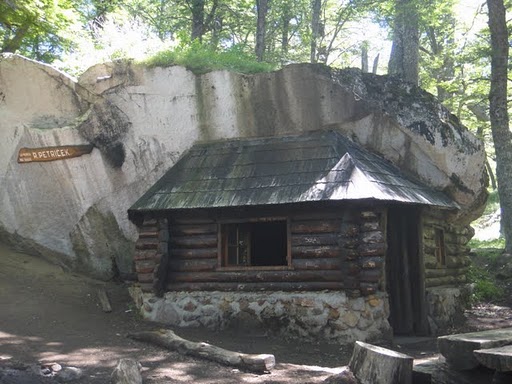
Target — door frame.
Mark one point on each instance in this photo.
(404, 258)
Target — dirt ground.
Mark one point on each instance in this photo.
(48, 315)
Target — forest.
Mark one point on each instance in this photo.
(455, 49)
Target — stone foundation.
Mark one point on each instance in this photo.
(445, 307)
(330, 316)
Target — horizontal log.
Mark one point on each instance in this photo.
(317, 263)
(443, 272)
(370, 275)
(197, 241)
(309, 227)
(304, 251)
(147, 244)
(192, 265)
(372, 249)
(252, 287)
(190, 253)
(196, 229)
(169, 340)
(146, 254)
(369, 262)
(150, 222)
(148, 234)
(447, 280)
(314, 239)
(255, 276)
(145, 266)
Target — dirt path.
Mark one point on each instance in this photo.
(48, 315)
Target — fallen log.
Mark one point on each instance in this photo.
(376, 365)
(169, 340)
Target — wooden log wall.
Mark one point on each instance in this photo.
(193, 253)
(333, 252)
(371, 250)
(457, 261)
(317, 256)
(151, 255)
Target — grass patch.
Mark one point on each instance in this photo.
(493, 202)
(201, 59)
(485, 287)
(483, 269)
(484, 245)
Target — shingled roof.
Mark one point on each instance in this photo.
(315, 166)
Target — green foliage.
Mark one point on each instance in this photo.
(493, 203)
(483, 269)
(485, 286)
(202, 59)
(40, 29)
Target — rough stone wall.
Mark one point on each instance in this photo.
(141, 120)
(329, 316)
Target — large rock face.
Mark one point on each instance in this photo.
(141, 120)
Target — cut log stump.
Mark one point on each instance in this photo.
(499, 359)
(169, 340)
(127, 371)
(376, 365)
(458, 349)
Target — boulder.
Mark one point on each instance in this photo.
(141, 120)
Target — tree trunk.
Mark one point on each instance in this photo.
(197, 20)
(404, 58)
(501, 134)
(12, 45)
(316, 6)
(261, 27)
(364, 56)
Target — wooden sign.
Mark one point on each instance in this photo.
(29, 155)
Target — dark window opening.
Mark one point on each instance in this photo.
(440, 247)
(257, 244)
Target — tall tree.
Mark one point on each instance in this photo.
(501, 134)
(261, 28)
(316, 28)
(404, 59)
(38, 29)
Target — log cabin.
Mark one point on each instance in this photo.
(311, 235)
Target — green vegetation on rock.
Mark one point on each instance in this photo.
(202, 59)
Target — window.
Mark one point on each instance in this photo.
(255, 244)
(440, 248)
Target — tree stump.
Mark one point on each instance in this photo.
(376, 365)
(127, 371)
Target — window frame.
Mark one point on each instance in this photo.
(222, 245)
(440, 247)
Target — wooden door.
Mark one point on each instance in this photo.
(405, 280)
